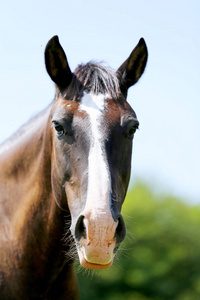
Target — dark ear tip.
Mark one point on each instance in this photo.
(142, 42)
(53, 41)
(143, 45)
(55, 38)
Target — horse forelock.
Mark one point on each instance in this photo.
(95, 78)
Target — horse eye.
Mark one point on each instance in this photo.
(132, 131)
(59, 128)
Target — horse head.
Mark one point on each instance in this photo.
(92, 132)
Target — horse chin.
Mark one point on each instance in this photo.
(92, 265)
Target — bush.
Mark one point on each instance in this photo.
(161, 262)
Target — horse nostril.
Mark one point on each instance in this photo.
(120, 230)
(80, 228)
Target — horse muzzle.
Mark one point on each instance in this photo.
(98, 238)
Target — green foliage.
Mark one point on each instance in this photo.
(161, 261)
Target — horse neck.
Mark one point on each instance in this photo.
(35, 225)
(25, 183)
(23, 157)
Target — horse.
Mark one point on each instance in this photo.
(64, 176)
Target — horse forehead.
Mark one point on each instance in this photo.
(95, 106)
(92, 103)
(99, 106)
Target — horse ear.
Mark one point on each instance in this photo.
(132, 69)
(56, 63)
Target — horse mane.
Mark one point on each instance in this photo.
(95, 78)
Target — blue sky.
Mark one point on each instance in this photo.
(166, 99)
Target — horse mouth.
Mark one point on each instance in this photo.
(84, 263)
(91, 264)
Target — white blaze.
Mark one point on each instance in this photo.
(99, 182)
